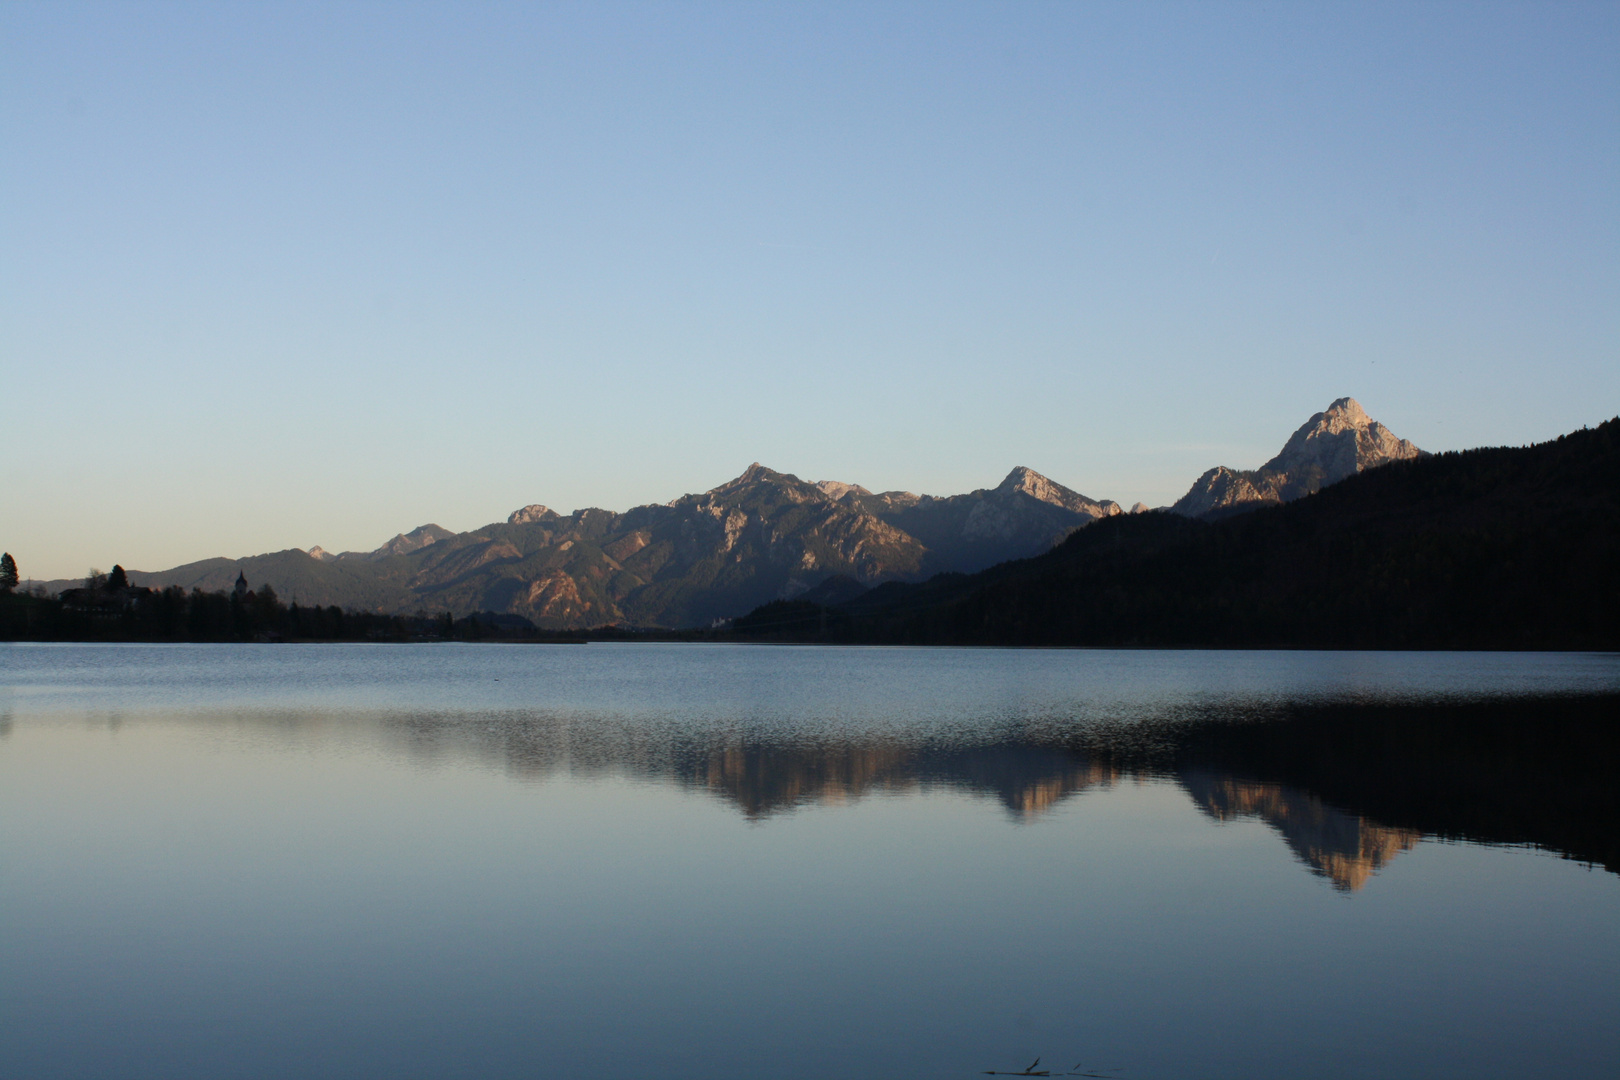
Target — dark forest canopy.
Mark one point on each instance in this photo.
(102, 610)
(1506, 548)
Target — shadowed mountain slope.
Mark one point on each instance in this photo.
(1019, 517)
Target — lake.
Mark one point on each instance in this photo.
(734, 861)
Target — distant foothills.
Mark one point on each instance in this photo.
(1350, 537)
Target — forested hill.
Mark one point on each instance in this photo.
(1495, 548)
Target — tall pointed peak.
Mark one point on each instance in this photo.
(1349, 408)
(1337, 442)
(1024, 479)
(754, 474)
(1323, 437)
(1029, 482)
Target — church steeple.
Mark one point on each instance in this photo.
(241, 585)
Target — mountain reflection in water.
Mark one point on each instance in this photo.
(696, 862)
(1348, 787)
(1347, 849)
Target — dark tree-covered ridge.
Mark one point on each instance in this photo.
(102, 610)
(1503, 548)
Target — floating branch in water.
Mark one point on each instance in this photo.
(1029, 1070)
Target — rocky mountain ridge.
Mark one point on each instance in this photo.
(701, 557)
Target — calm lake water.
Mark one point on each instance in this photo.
(730, 861)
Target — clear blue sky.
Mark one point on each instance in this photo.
(277, 275)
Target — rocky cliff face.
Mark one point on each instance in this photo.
(1340, 441)
(530, 514)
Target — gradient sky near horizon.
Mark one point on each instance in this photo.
(284, 275)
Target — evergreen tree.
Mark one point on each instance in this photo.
(117, 579)
(8, 572)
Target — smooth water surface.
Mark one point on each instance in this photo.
(717, 861)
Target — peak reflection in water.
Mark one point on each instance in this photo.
(1347, 849)
(1348, 787)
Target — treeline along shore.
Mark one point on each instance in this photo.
(108, 608)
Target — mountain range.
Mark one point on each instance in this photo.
(760, 537)
(1494, 548)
